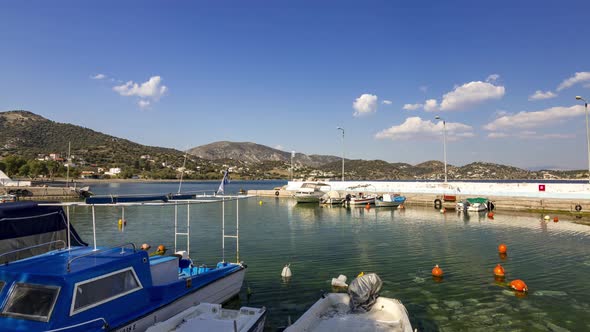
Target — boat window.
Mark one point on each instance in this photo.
(96, 291)
(31, 301)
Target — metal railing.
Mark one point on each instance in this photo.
(32, 247)
(94, 252)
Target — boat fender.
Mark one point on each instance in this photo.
(437, 204)
(286, 273)
(578, 207)
(491, 206)
(277, 193)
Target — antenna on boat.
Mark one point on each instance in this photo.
(182, 172)
(68, 165)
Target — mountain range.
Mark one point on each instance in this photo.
(30, 136)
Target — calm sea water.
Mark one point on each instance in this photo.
(401, 246)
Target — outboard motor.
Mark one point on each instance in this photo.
(364, 291)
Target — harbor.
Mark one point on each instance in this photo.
(402, 246)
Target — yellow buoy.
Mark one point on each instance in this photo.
(260, 203)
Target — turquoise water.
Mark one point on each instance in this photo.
(401, 246)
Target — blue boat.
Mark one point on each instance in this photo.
(390, 200)
(51, 280)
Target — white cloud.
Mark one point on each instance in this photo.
(98, 77)
(470, 94)
(416, 128)
(578, 77)
(431, 105)
(412, 107)
(424, 88)
(540, 95)
(365, 104)
(492, 78)
(279, 147)
(152, 88)
(498, 135)
(386, 102)
(528, 134)
(144, 104)
(527, 120)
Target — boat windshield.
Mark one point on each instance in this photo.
(29, 301)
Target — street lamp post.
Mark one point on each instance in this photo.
(292, 156)
(444, 143)
(340, 128)
(587, 132)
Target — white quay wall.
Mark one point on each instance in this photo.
(552, 190)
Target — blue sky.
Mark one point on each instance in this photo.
(503, 74)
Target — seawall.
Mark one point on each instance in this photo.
(506, 196)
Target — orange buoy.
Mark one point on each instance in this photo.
(368, 206)
(401, 207)
(555, 219)
(491, 215)
(502, 248)
(437, 271)
(499, 271)
(518, 285)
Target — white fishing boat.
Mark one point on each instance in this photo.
(343, 312)
(358, 195)
(310, 192)
(389, 200)
(207, 317)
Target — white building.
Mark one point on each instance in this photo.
(113, 171)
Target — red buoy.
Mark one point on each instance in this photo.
(518, 285)
(555, 219)
(491, 215)
(502, 248)
(368, 206)
(499, 271)
(437, 271)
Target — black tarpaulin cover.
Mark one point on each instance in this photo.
(26, 224)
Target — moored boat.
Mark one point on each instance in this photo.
(310, 192)
(358, 197)
(207, 317)
(389, 200)
(359, 310)
(51, 280)
(477, 204)
(331, 198)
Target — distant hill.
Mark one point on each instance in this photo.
(256, 153)
(30, 136)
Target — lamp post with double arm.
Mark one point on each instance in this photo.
(587, 132)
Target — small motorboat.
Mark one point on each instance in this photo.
(331, 198)
(389, 200)
(212, 317)
(474, 205)
(360, 310)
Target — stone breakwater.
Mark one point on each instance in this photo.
(509, 196)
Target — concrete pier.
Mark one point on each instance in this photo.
(505, 196)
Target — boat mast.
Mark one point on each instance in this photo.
(182, 172)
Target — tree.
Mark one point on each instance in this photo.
(37, 168)
(13, 164)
